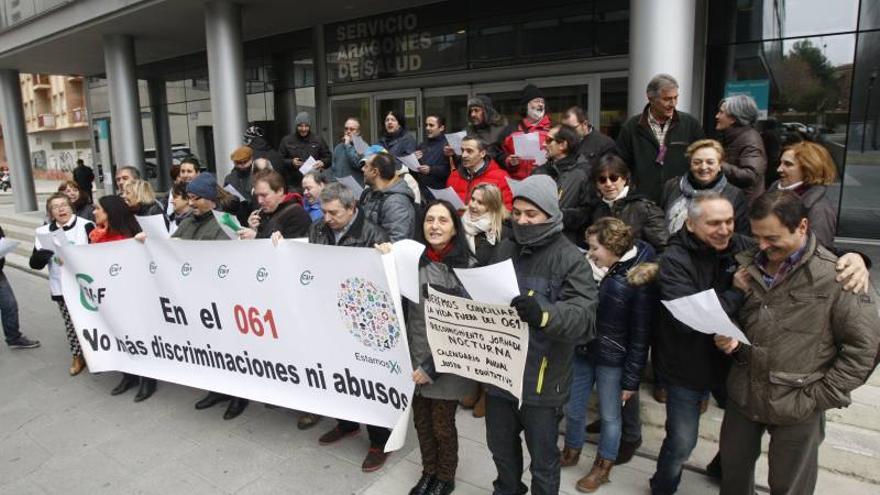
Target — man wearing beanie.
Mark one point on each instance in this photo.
(558, 301)
(485, 122)
(202, 226)
(534, 119)
(298, 146)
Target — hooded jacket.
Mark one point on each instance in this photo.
(625, 316)
(682, 355)
(289, 218)
(392, 208)
(463, 182)
(559, 276)
(524, 168)
(571, 176)
(812, 343)
(745, 161)
(493, 130)
(639, 148)
(362, 233)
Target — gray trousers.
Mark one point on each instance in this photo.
(793, 454)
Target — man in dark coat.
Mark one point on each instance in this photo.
(558, 302)
(84, 176)
(435, 167)
(593, 144)
(298, 146)
(488, 124)
(653, 143)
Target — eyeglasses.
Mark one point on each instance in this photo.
(607, 178)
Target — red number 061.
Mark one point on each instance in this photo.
(251, 320)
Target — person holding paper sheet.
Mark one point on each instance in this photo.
(346, 161)
(76, 231)
(344, 224)
(437, 394)
(570, 172)
(812, 344)
(613, 361)
(435, 167)
(477, 168)
(115, 222)
(9, 312)
(298, 146)
(534, 120)
(558, 302)
(279, 211)
(388, 201)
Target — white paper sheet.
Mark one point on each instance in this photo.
(153, 226)
(7, 246)
(493, 284)
(51, 240)
(454, 140)
(349, 182)
(703, 312)
(231, 190)
(410, 161)
(448, 194)
(228, 223)
(528, 146)
(307, 166)
(359, 144)
(406, 260)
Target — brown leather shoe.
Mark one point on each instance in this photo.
(470, 401)
(374, 461)
(659, 395)
(79, 364)
(480, 406)
(569, 457)
(598, 476)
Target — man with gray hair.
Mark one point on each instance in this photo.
(653, 143)
(745, 161)
(124, 175)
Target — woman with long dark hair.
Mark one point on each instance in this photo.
(116, 223)
(437, 394)
(82, 207)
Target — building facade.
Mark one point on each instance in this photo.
(165, 79)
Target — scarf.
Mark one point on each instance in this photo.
(623, 193)
(531, 235)
(600, 272)
(474, 227)
(677, 213)
(437, 256)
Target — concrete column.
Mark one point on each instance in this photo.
(161, 131)
(285, 96)
(226, 76)
(125, 112)
(661, 39)
(15, 139)
(322, 102)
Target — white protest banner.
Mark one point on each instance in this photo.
(454, 139)
(484, 342)
(308, 327)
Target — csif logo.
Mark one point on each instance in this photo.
(186, 269)
(90, 297)
(153, 267)
(115, 269)
(222, 271)
(306, 277)
(262, 274)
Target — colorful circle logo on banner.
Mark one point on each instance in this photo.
(368, 312)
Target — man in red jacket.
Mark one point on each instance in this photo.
(535, 119)
(477, 168)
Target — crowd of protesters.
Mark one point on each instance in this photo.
(598, 235)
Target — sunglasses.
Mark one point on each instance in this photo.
(608, 178)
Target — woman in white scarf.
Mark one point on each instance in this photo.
(483, 221)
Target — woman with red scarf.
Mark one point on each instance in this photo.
(115, 222)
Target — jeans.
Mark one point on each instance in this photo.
(504, 423)
(8, 310)
(682, 430)
(607, 381)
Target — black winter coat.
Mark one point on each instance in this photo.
(289, 218)
(401, 143)
(647, 220)
(571, 176)
(295, 146)
(563, 283)
(683, 356)
(362, 233)
(433, 157)
(626, 314)
(639, 148)
(594, 145)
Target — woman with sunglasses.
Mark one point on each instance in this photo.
(705, 157)
(611, 176)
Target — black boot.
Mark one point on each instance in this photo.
(211, 400)
(713, 469)
(148, 386)
(127, 382)
(441, 487)
(425, 483)
(236, 407)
